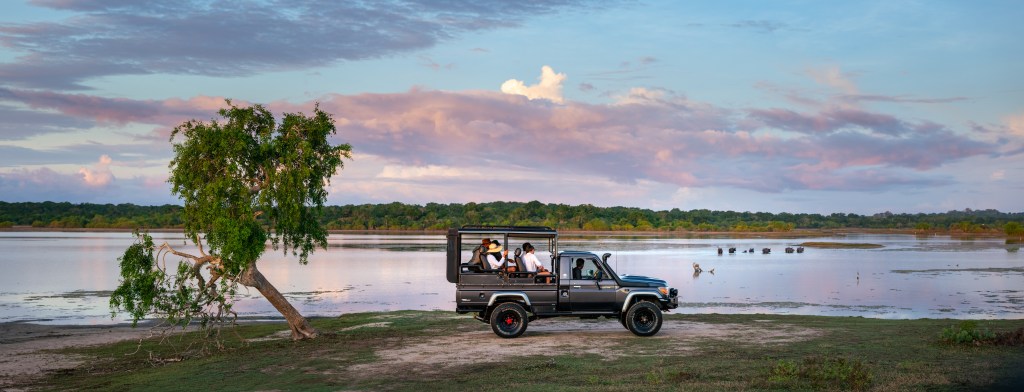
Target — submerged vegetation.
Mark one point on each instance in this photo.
(840, 245)
(435, 216)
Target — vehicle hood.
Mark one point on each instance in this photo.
(641, 281)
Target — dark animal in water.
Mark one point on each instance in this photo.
(800, 249)
(732, 250)
(719, 251)
(766, 250)
(789, 250)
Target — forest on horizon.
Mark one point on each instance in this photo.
(435, 216)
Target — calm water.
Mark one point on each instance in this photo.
(67, 277)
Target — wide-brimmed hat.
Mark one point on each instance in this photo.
(494, 247)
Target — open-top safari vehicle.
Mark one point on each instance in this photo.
(578, 283)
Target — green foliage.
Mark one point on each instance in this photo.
(400, 216)
(248, 179)
(244, 180)
(966, 332)
(6, 224)
(596, 224)
(819, 373)
(139, 288)
(1013, 229)
(147, 289)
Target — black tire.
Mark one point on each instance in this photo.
(643, 319)
(509, 320)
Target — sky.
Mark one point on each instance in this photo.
(782, 106)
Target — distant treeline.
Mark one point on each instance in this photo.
(399, 216)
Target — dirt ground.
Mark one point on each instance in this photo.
(570, 336)
(25, 348)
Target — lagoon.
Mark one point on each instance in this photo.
(66, 278)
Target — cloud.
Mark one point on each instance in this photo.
(215, 38)
(45, 184)
(429, 62)
(837, 119)
(835, 78)
(549, 87)
(430, 139)
(20, 123)
(899, 99)
(761, 26)
(116, 110)
(429, 172)
(649, 135)
(99, 175)
(1015, 124)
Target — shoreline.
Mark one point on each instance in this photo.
(796, 233)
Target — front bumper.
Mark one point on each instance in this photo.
(673, 299)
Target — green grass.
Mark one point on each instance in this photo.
(843, 353)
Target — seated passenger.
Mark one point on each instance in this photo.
(496, 257)
(531, 263)
(577, 272)
(478, 252)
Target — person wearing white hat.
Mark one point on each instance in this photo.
(496, 254)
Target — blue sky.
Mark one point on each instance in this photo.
(802, 106)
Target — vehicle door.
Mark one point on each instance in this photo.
(591, 288)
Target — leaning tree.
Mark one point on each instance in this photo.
(246, 181)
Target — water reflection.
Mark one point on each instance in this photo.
(66, 277)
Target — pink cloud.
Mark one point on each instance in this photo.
(648, 135)
(118, 110)
(99, 175)
(658, 137)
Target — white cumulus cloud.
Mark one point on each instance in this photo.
(100, 174)
(549, 88)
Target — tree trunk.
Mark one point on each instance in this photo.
(300, 327)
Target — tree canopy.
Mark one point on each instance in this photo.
(439, 216)
(244, 181)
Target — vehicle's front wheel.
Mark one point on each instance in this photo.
(643, 319)
(509, 320)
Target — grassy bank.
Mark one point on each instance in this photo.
(442, 351)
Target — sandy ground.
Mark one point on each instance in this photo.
(26, 349)
(571, 336)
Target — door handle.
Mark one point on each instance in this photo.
(576, 287)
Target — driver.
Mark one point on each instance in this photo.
(577, 272)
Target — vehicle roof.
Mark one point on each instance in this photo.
(531, 231)
(577, 253)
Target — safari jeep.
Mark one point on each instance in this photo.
(509, 301)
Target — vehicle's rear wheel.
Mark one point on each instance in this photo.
(643, 319)
(509, 320)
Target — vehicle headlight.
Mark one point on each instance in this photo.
(663, 291)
